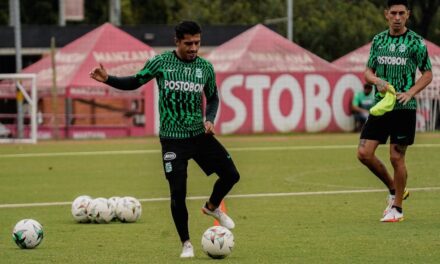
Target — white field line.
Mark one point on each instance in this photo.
(151, 151)
(232, 196)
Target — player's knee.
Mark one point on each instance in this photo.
(234, 177)
(237, 177)
(364, 156)
(229, 174)
(396, 160)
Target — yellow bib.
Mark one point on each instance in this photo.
(386, 104)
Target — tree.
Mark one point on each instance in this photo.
(327, 28)
(4, 10)
(423, 16)
(224, 12)
(96, 12)
(136, 12)
(39, 12)
(331, 29)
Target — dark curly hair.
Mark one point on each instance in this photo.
(187, 27)
(397, 2)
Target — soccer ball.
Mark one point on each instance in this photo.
(128, 209)
(79, 208)
(27, 233)
(113, 201)
(99, 211)
(217, 242)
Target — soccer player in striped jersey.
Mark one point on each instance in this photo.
(394, 58)
(183, 78)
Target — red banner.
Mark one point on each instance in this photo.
(286, 102)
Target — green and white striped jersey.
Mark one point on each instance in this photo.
(396, 59)
(181, 87)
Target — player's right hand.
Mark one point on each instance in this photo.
(209, 128)
(382, 86)
(99, 73)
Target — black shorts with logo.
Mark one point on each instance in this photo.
(206, 151)
(399, 125)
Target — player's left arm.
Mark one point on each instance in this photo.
(212, 102)
(420, 84)
(424, 65)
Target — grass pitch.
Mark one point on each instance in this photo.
(301, 199)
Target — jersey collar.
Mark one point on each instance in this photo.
(175, 55)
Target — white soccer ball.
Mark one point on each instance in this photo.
(217, 242)
(128, 209)
(99, 211)
(113, 201)
(27, 233)
(79, 208)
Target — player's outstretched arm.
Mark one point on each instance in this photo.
(122, 83)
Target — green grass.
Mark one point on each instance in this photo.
(319, 228)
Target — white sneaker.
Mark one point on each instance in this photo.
(393, 216)
(187, 250)
(390, 201)
(221, 217)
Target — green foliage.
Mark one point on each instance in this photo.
(39, 12)
(96, 12)
(4, 13)
(222, 12)
(143, 12)
(334, 28)
(425, 18)
(327, 28)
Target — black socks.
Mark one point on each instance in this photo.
(399, 209)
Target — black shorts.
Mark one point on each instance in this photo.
(206, 151)
(399, 125)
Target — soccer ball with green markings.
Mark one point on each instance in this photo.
(27, 233)
(217, 242)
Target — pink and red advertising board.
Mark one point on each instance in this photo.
(269, 84)
(285, 102)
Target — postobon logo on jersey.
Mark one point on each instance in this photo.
(391, 60)
(184, 86)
